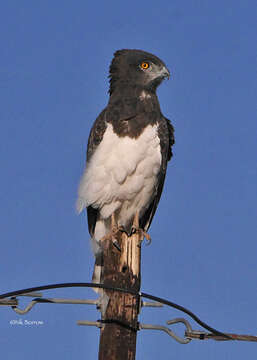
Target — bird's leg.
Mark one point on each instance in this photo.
(136, 229)
(114, 231)
(112, 235)
(135, 225)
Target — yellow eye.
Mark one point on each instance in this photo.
(144, 65)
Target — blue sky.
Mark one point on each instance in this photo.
(53, 83)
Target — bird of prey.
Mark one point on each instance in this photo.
(128, 150)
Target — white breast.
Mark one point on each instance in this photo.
(121, 174)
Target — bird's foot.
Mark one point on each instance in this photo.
(142, 234)
(113, 236)
(137, 229)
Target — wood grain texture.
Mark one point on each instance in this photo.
(121, 269)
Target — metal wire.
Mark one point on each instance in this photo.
(171, 333)
(200, 335)
(106, 287)
(53, 301)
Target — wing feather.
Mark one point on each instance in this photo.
(95, 138)
(167, 140)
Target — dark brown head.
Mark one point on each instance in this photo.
(136, 68)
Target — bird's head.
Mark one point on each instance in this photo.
(136, 68)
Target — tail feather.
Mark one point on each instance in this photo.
(96, 277)
(97, 269)
(101, 229)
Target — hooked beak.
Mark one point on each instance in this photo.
(157, 75)
(164, 73)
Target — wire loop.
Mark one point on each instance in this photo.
(168, 331)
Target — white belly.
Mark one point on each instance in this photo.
(122, 174)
